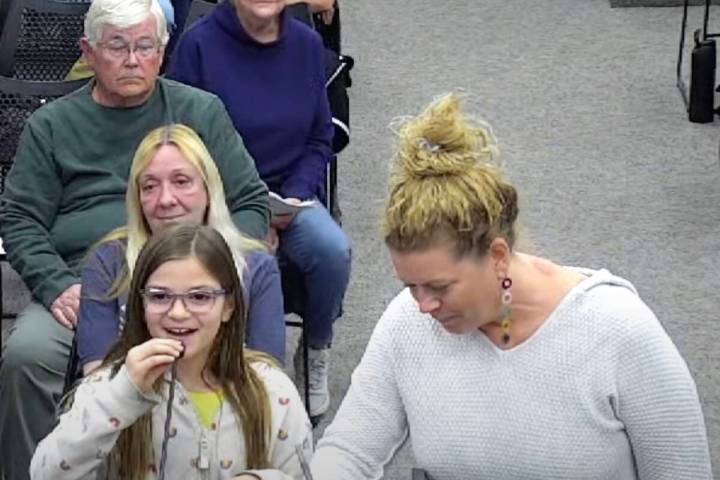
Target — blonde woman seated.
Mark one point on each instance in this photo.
(173, 180)
(233, 414)
(498, 364)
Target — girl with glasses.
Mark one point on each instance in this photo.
(234, 414)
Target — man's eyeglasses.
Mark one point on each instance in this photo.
(159, 301)
(121, 49)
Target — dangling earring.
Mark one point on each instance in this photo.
(506, 299)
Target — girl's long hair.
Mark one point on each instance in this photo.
(228, 362)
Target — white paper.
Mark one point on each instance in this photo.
(280, 206)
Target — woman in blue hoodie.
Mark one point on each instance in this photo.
(269, 71)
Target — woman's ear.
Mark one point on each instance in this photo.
(500, 255)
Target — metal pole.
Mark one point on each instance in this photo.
(680, 84)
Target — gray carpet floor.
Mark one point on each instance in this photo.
(593, 132)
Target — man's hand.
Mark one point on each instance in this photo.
(147, 361)
(66, 305)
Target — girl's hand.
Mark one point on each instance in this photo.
(147, 361)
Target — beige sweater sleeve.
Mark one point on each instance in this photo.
(99, 410)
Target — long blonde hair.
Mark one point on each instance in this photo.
(137, 232)
(446, 184)
(229, 361)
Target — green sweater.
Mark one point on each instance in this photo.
(67, 186)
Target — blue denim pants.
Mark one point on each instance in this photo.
(318, 247)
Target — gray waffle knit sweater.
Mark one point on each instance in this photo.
(598, 392)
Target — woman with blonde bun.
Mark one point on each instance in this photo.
(498, 364)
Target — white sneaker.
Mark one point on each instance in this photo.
(319, 364)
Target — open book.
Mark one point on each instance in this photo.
(280, 206)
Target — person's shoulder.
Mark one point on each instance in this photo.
(614, 305)
(402, 319)
(115, 246)
(299, 31)
(60, 108)
(260, 260)
(192, 104)
(402, 305)
(178, 91)
(108, 251)
(101, 374)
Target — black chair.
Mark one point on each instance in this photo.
(198, 9)
(301, 11)
(18, 100)
(330, 33)
(40, 39)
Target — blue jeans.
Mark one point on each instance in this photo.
(318, 247)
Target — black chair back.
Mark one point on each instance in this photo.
(18, 100)
(301, 11)
(198, 9)
(41, 39)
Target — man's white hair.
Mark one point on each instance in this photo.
(123, 14)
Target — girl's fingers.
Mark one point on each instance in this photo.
(155, 361)
(150, 369)
(156, 346)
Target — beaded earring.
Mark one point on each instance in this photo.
(506, 299)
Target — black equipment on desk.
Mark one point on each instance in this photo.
(702, 81)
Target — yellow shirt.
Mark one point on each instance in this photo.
(207, 405)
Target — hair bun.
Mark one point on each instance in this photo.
(443, 141)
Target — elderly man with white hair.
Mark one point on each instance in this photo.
(67, 189)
